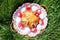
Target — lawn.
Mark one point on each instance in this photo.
(7, 8)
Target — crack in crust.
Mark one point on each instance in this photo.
(29, 19)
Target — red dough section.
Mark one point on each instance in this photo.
(21, 25)
(28, 7)
(33, 30)
(41, 21)
(19, 14)
(38, 12)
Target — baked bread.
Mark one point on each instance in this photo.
(30, 19)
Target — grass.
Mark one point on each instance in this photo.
(52, 32)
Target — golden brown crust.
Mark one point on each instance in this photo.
(29, 19)
(11, 25)
(45, 7)
(26, 35)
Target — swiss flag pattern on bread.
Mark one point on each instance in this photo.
(37, 11)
